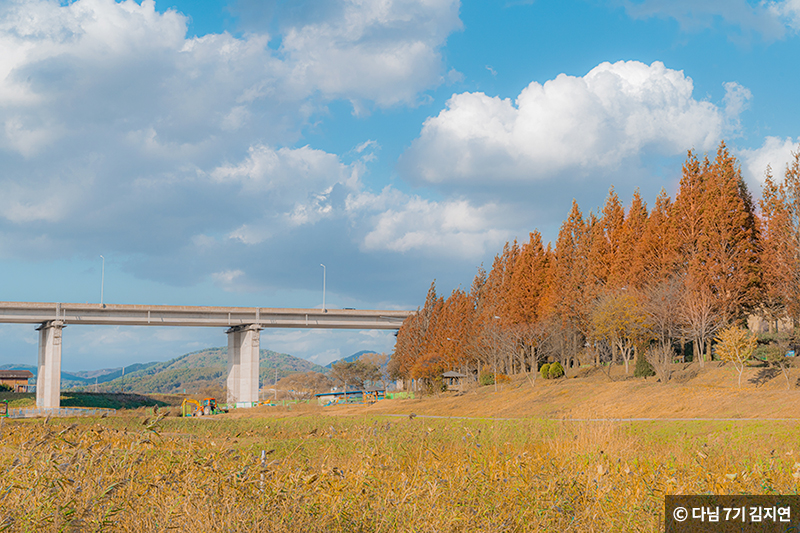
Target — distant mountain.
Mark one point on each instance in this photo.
(196, 371)
(110, 374)
(68, 380)
(355, 357)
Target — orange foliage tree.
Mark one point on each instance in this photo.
(686, 268)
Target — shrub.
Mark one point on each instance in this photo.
(545, 371)
(643, 367)
(502, 378)
(766, 352)
(5, 388)
(486, 377)
(556, 371)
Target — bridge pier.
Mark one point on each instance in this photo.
(48, 377)
(243, 357)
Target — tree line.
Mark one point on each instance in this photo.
(659, 283)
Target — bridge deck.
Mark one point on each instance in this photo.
(169, 315)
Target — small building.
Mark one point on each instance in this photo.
(453, 380)
(16, 379)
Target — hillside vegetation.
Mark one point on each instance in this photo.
(197, 371)
(67, 379)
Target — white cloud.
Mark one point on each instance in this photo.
(303, 187)
(119, 133)
(737, 99)
(287, 174)
(775, 153)
(453, 228)
(383, 51)
(788, 11)
(227, 278)
(614, 114)
(771, 19)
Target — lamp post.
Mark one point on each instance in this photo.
(324, 275)
(102, 279)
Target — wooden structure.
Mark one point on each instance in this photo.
(16, 379)
(453, 380)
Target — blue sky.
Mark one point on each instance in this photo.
(216, 152)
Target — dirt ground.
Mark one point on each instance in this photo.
(693, 392)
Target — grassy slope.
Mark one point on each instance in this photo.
(711, 393)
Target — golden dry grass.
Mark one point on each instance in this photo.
(358, 468)
(709, 393)
(373, 473)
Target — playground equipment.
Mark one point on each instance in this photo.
(191, 407)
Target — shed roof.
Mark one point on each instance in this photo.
(16, 374)
(452, 374)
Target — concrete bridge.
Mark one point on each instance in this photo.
(243, 326)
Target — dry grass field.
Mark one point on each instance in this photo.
(358, 468)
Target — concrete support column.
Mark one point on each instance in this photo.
(243, 355)
(48, 378)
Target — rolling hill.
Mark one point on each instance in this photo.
(351, 358)
(195, 372)
(67, 379)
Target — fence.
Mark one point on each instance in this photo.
(399, 395)
(33, 412)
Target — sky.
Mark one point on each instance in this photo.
(217, 152)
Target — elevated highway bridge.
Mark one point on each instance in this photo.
(243, 326)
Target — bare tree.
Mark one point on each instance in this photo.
(660, 356)
(699, 317)
(663, 303)
(355, 373)
(776, 357)
(304, 385)
(493, 346)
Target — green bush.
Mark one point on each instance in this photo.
(5, 388)
(486, 377)
(556, 371)
(545, 371)
(643, 368)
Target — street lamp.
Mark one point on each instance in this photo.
(102, 279)
(324, 275)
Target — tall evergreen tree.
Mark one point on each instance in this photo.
(628, 268)
(729, 243)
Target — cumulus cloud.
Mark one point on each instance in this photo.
(770, 19)
(775, 153)
(305, 187)
(612, 115)
(119, 133)
(454, 228)
(379, 51)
